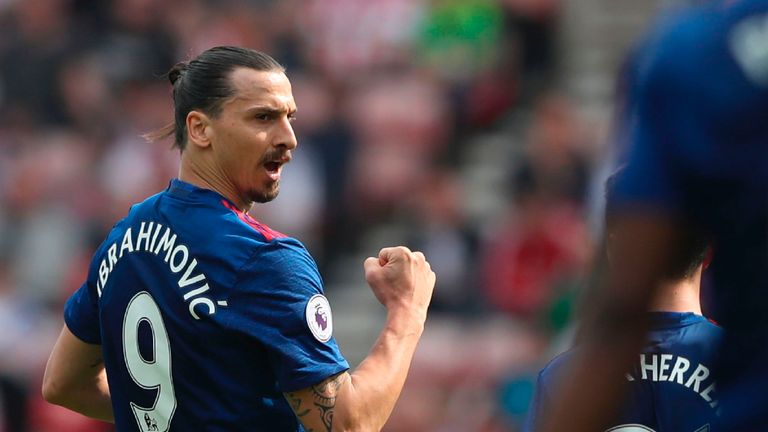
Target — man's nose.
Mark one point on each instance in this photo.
(286, 136)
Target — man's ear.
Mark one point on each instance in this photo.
(199, 129)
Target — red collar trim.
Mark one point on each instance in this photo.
(264, 230)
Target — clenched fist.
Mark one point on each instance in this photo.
(402, 280)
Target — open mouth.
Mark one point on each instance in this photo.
(274, 164)
(272, 167)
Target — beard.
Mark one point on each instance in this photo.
(270, 190)
(266, 195)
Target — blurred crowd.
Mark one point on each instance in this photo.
(436, 123)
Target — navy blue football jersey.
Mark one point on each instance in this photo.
(205, 317)
(672, 387)
(698, 150)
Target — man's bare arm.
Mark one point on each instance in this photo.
(75, 378)
(364, 399)
(315, 406)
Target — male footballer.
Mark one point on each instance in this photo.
(671, 387)
(196, 317)
(698, 159)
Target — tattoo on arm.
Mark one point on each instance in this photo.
(296, 405)
(324, 401)
(325, 398)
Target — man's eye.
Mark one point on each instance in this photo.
(291, 117)
(263, 117)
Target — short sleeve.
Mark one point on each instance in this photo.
(81, 311)
(81, 314)
(279, 302)
(651, 175)
(689, 104)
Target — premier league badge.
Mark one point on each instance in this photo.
(319, 319)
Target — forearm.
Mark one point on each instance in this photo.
(363, 400)
(366, 400)
(75, 378)
(90, 398)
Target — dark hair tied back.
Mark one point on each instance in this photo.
(175, 73)
(206, 85)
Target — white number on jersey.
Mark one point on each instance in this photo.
(150, 375)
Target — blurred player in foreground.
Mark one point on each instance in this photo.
(671, 388)
(698, 159)
(194, 316)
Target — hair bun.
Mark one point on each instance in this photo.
(176, 71)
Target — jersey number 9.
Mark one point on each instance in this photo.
(154, 374)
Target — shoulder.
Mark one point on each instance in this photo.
(708, 331)
(672, 53)
(688, 325)
(136, 212)
(266, 247)
(280, 264)
(285, 253)
(704, 326)
(697, 51)
(269, 246)
(699, 339)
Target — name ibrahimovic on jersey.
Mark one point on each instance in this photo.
(147, 238)
(676, 369)
(205, 317)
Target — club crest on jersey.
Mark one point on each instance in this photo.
(319, 318)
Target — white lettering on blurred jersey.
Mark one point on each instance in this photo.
(676, 369)
(747, 42)
(166, 246)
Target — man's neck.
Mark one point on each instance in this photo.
(678, 296)
(201, 176)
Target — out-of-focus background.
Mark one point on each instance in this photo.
(477, 131)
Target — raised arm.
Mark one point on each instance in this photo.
(75, 378)
(363, 400)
